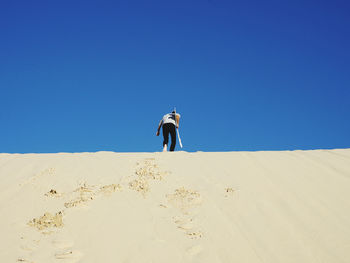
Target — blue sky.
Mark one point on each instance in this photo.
(81, 76)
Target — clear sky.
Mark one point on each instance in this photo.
(98, 75)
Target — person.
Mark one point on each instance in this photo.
(169, 122)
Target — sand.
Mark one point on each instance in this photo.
(287, 206)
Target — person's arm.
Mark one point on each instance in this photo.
(160, 125)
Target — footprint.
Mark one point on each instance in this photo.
(24, 260)
(184, 199)
(69, 256)
(194, 234)
(53, 193)
(187, 225)
(145, 172)
(229, 192)
(184, 223)
(47, 221)
(80, 201)
(109, 189)
(83, 193)
(139, 185)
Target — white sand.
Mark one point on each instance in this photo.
(291, 206)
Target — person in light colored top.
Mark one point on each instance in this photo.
(169, 122)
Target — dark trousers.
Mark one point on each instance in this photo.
(169, 128)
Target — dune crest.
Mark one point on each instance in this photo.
(289, 206)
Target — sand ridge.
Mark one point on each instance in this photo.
(176, 207)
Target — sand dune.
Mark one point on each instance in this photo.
(289, 206)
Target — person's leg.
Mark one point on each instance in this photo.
(173, 137)
(165, 136)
